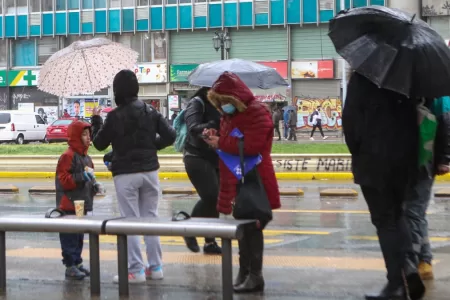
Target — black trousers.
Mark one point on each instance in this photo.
(277, 130)
(72, 247)
(204, 176)
(387, 214)
(318, 125)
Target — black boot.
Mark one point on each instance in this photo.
(389, 292)
(244, 261)
(416, 288)
(254, 282)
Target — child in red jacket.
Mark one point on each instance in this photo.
(73, 182)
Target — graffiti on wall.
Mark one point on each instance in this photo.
(331, 112)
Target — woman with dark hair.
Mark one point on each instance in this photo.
(202, 163)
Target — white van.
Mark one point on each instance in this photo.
(21, 126)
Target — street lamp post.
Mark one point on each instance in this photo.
(222, 41)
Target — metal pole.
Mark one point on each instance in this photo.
(344, 67)
(227, 270)
(94, 249)
(2, 262)
(122, 261)
(222, 51)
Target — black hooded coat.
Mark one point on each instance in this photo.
(135, 130)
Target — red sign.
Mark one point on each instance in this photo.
(280, 66)
(325, 69)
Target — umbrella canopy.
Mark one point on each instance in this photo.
(394, 50)
(85, 67)
(254, 75)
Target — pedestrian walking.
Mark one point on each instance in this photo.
(241, 111)
(276, 118)
(202, 163)
(136, 132)
(381, 132)
(316, 119)
(72, 183)
(419, 194)
(292, 125)
(286, 124)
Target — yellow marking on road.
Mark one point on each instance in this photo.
(324, 262)
(375, 238)
(319, 211)
(272, 232)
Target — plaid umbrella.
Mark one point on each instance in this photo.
(85, 67)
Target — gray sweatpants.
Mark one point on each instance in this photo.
(138, 196)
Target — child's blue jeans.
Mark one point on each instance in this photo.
(72, 247)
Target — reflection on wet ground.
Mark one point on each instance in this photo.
(316, 248)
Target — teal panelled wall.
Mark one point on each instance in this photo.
(259, 44)
(192, 47)
(235, 14)
(311, 42)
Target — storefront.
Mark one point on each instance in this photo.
(24, 94)
(152, 78)
(179, 84)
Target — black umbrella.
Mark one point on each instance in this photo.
(394, 50)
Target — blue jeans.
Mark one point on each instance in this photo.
(286, 131)
(72, 247)
(416, 205)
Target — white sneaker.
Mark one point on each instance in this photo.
(154, 273)
(325, 137)
(133, 278)
(311, 138)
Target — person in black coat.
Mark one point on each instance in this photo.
(381, 132)
(202, 163)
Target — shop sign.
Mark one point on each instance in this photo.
(23, 77)
(319, 69)
(151, 73)
(3, 78)
(180, 73)
(280, 66)
(174, 101)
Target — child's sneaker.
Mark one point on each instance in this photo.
(133, 278)
(74, 273)
(154, 273)
(83, 270)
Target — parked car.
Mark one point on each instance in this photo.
(21, 126)
(57, 131)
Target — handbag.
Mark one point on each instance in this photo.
(251, 200)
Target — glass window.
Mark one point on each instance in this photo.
(186, 1)
(73, 4)
(9, 5)
(156, 2)
(127, 3)
(143, 2)
(132, 41)
(39, 120)
(60, 4)
(24, 53)
(62, 122)
(5, 118)
(100, 3)
(169, 2)
(3, 56)
(114, 3)
(86, 4)
(34, 6)
(46, 47)
(22, 6)
(47, 5)
(159, 46)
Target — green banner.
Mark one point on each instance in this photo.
(180, 73)
(3, 78)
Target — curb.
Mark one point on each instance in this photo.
(192, 191)
(442, 193)
(338, 193)
(9, 189)
(183, 176)
(42, 190)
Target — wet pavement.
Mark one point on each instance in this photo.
(316, 248)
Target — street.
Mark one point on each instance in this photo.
(315, 249)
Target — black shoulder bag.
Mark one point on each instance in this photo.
(251, 200)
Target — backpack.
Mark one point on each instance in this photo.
(179, 124)
(427, 133)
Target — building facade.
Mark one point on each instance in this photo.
(172, 38)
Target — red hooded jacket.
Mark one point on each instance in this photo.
(253, 119)
(69, 181)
